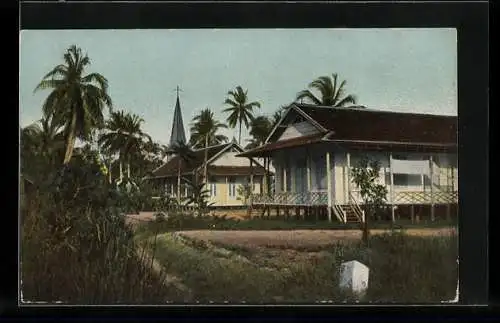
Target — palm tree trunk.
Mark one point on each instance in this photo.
(239, 136)
(205, 173)
(70, 143)
(128, 167)
(121, 170)
(109, 171)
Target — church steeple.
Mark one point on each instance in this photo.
(177, 136)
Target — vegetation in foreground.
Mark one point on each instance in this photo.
(402, 269)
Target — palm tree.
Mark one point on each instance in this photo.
(204, 128)
(331, 95)
(186, 156)
(123, 135)
(44, 137)
(240, 110)
(76, 99)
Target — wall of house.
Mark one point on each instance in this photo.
(407, 176)
(230, 159)
(299, 129)
(222, 187)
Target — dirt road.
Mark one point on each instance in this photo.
(294, 238)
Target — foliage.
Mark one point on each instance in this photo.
(374, 195)
(244, 191)
(240, 110)
(123, 135)
(260, 127)
(331, 95)
(76, 101)
(198, 198)
(226, 272)
(204, 129)
(75, 217)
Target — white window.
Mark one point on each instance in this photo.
(213, 189)
(232, 187)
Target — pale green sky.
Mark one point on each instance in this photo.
(406, 70)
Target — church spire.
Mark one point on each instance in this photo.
(177, 136)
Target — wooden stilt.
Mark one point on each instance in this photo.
(412, 213)
(448, 212)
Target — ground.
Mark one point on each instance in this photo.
(302, 265)
(295, 238)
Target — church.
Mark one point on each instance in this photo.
(231, 179)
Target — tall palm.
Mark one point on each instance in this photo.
(205, 128)
(240, 110)
(331, 94)
(185, 156)
(78, 100)
(124, 135)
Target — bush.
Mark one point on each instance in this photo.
(76, 247)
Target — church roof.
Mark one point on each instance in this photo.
(177, 136)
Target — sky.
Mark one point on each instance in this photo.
(402, 70)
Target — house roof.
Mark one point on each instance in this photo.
(170, 168)
(265, 150)
(236, 170)
(362, 128)
(367, 124)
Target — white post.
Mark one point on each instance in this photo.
(431, 175)
(293, 174)
(392, 188)
(251, 176)
(285, 173)
(309, 181)
(329, 185)
(348, 157)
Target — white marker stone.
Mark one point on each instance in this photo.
(354, 277)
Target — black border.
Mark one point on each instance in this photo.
(471, 21)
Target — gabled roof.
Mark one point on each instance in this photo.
(375, 125)
(170, 168)
(366, 128)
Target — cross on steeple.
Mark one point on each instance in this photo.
(178, 89)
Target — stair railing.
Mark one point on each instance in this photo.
(339, 213)
(360, 214)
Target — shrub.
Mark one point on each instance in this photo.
(76, 247)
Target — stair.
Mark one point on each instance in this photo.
(350, 214)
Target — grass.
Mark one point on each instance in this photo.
(187, 222)
(402, 269)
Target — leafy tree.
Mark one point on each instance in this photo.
(331, 95)
(76, 100)
(240, 110)
(374, 195)
(244, 191)
(260, 127)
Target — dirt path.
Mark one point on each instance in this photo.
(294, 238)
